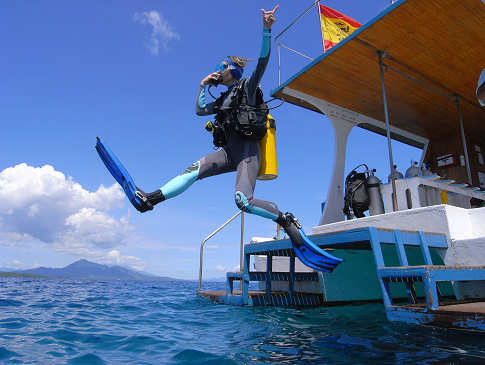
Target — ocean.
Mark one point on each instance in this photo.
(54, 321)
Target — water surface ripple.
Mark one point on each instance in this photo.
(108, 322)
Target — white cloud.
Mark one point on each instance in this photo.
(162, 32)
(220, 268)
(116, 258)
(16, 264)
(42, 205)
(96, 228)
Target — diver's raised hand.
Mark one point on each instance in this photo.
(268, 17)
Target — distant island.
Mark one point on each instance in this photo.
(84, 269)
(5, 272)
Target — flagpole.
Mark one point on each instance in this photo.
(321, 28)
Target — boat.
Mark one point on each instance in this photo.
(409, 74)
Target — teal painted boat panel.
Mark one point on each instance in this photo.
(356, 278)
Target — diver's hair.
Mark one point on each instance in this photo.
(240, 61)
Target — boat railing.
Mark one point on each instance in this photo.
(423, 191)
(281, 45)
(217, 230)
(241, 246)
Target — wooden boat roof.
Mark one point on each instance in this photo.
(438, 43)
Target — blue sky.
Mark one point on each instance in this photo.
(129, 73)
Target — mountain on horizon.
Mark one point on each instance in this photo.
(84, 269)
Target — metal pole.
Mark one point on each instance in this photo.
(388, 130)
(279, 65)
(241, 251)
(242, 242)
(294, 51)
(320, 22)
(208, 238)
(296, 20)
(463, 140)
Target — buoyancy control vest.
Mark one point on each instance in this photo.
(362, 192)
(246, 120)
(356, 197)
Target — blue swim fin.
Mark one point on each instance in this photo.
(121, 175)
(308, 252)
(312, 255)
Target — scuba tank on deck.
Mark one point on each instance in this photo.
(413, 170)
(376, 205)
(362, 192)
(394, 174)
(425, 171)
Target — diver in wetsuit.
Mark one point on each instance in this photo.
(239, 152)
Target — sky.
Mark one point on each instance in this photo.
(129, 72)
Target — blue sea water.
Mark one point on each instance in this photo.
(105, 322)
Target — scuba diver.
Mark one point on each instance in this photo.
(241, 117)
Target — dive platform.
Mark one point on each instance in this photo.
(427, 299)
(362, 239)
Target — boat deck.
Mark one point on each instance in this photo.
(261, 298)
(463, 316)
(465, 308)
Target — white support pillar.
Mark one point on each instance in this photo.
(343, 120)
(333, 211)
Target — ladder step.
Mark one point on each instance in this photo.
(234, 275)
(285, 300)
(279, 276)
(283, 276)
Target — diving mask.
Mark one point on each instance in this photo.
(236, 70)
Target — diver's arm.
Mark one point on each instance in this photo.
(253, 82)
(263, 59)
(201, 106)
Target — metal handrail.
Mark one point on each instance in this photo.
(296, 20)
(241, 213)
(279, 44)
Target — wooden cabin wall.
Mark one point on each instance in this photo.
(452, 144)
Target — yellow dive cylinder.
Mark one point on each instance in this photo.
(444, 197)
(268, 169)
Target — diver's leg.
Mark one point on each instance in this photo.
(213, 164)
(247, 170)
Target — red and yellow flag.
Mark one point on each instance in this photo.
(335, 26)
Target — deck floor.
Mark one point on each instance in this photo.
(452, 307)
(259, 297)
(476, 307)
(458, 315)
(210, 294)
